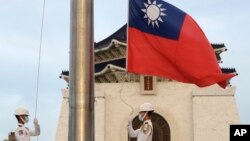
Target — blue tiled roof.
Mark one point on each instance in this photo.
(119, 62)
(120, 35)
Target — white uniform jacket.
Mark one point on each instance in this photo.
(144, 133)
(23, 133)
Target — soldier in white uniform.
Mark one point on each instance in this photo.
(145, 132)
(23, 133)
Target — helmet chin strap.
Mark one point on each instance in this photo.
(144, 115)
(22, 120)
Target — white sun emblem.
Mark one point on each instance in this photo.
(153, 13)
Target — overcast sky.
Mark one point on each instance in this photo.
(20, 20)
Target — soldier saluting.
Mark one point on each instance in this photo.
(145, 132)
(23, 133)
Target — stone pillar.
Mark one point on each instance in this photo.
(62, 127)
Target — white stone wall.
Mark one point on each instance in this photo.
(62, 127)
(99, 116)
(193, 114)
(214, 110)
(172, 100)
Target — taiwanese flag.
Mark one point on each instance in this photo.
(165, 41)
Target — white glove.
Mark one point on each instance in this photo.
(130, 119)
(35, 121)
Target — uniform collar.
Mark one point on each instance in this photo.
(20, 124)
(149, 120)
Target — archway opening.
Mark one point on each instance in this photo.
(161, 130)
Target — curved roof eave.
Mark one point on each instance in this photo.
(113, 43)
(109, 68)
(120, 35)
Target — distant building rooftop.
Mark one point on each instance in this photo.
(110, 59)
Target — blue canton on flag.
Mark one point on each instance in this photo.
(156, 17)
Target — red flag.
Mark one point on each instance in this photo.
(165, 41)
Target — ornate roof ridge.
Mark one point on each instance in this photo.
(113, 43)
(120, 35)
(229, 70)
(219, 46)
(65, 75)
(65, 72)
(109, 68)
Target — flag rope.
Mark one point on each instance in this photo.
(39, 60)
(126, 103)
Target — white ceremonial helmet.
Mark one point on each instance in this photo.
(21, 111)
(146, 107)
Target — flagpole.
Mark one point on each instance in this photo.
(81, 109)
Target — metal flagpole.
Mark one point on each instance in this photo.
(81, 118)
